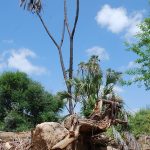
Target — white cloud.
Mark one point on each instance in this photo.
(8, 41)
(133, 28)
(100, 52)
(19, 60)
(132, 64)
(118, 89)
(117, 20)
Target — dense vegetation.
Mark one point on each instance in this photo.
(24, 102)
(140, 122)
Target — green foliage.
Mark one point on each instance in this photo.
(140, 122)
(15, 122)
(90, 85)
(94, 85)
(141, 48)
(87, 108)
(24, 103)
(109, 132)
(112, 78)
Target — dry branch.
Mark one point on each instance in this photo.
(68, 139)
(71, 137)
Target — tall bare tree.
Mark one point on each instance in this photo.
(36, 7)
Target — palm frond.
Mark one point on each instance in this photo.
(32, 5)
(112, 76)
(64, 95)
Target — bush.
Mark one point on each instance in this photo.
(140, 122)
(15, 122)
(24, 102)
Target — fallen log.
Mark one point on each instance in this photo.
(74, 128)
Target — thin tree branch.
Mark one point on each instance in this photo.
(57, 45)
(45, 27)
(63, 34)
(76, 18)
(67, 108)
(66, 18)
(75, 105)
(63, 66)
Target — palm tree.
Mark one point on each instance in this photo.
(90, 85)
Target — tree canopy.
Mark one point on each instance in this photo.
(141, 73)
(24, 102)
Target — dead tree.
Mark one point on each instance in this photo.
(35, 6)
(92, 127)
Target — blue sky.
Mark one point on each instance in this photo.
(103, 27)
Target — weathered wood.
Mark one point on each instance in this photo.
(88, 125)
(71, 137)
(110, 102)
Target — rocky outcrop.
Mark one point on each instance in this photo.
(47, 134)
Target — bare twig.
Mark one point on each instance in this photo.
(66, 18)
(76, 18)
(57, 45)
(71, 33)
(63, 34)
(67, 108)
(48, 32)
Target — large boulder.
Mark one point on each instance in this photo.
(47, 134)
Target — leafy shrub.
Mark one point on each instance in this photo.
(24, 102)
(140, 122)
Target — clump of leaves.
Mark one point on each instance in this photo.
(109, 132)
(32, 5)
(141, 72)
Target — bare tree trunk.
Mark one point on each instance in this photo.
(71, 35)
(71, 74)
